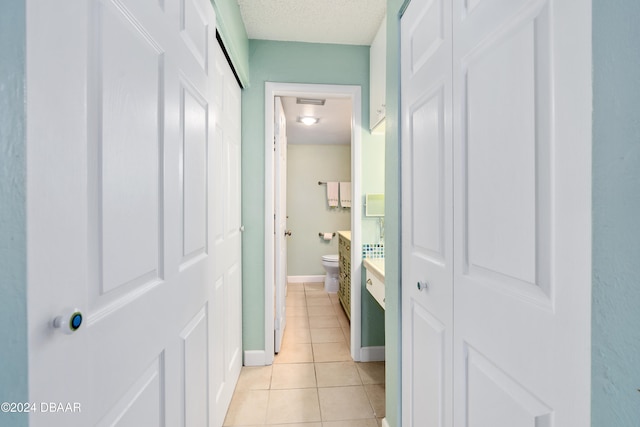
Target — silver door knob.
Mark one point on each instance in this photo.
(69, 321)
(287, 233)
(423, 286)
(241, 228)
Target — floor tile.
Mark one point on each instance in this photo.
(296, 425)
(323, 322)
(331, 352)
(293, 406)
(295, 287)
(371, 422)
(295, 300)
(294, 353)
(296, 322)
(376, 395)
(293, 375)
(333, 374)
(344, 403)
(315, 286)
(247, 408)
(254, 378)
(327, 335)
(296, 310)
(322, 301)
(319, 310)
(297, 335)
(372, 372)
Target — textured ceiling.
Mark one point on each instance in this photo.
(334, 126)
(313, 21)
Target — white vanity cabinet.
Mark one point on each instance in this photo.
(377, 79)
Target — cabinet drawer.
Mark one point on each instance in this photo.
(376, 288)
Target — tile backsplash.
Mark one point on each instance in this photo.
(373, 250)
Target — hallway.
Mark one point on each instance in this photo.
(313, 381)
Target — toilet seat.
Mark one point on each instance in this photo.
(330, 258)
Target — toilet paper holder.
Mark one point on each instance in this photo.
(322, 234)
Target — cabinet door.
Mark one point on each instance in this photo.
(378, 76)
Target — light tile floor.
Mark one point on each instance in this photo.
(313, 381)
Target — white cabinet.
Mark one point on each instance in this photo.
(377, 79)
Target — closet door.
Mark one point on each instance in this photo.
(522, 212)
(427, 214)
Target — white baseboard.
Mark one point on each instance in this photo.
(372, 354)
(385, 423)
(254, 358)
(305, 279)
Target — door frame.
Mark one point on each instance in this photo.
(354, 93)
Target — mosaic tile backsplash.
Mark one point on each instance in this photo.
(373, 250)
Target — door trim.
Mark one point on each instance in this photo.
(313, 90)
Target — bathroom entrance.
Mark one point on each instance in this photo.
(325, 167)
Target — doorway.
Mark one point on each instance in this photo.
(353, 93)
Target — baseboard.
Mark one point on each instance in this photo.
(254, 358)
(305, 279)
(385, 423)
(372, 354)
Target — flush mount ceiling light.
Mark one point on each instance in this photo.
(308, 120)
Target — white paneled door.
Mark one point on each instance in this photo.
(124, 184)
(227, 237)
(280, 219)
(427, 214)
(496, 213)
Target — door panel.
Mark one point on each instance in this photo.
(124, 193)
(496, 211)
(427, 214)
(521, 303)
(280, 218)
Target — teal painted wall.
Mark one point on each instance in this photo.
(292, 63)
(13, 229)
(307, 208)
(392, 218)
(616, 212)
(234, 36)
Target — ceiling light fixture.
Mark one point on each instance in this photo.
(308, 120)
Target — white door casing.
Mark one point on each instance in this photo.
(259, 358)
(280, 218)
(121, 177)
(521, 179)
(427, 215)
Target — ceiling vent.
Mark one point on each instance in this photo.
(310, 101)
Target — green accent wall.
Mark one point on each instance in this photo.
(13, 228)
(288, 62)
(234, 36)
(616, 213)
(307, 208)
(393, 332)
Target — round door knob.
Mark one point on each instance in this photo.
(422, 286)
(241, 228)
(68, 322)
(287, 233)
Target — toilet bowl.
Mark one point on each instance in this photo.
(331, 266)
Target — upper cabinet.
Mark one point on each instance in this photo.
(378, 78)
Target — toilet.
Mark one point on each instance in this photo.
(331, 266)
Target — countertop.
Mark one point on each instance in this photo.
(346, 234)
(375, 266)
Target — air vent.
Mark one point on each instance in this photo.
(310, 101)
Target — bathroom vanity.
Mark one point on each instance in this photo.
(375, 278)
(344, 260)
